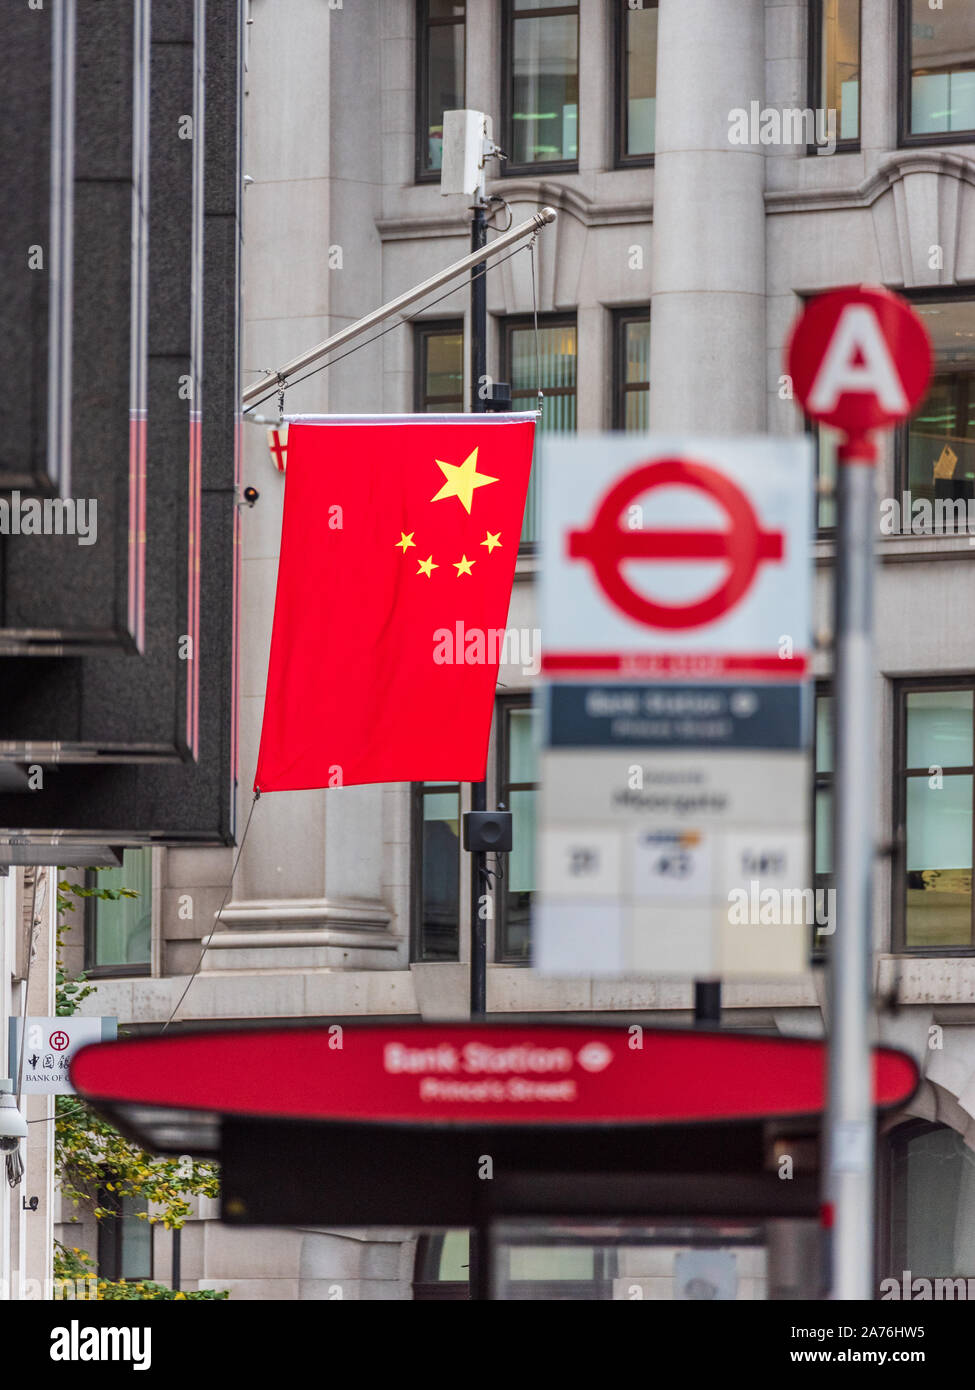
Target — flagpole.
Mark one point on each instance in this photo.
(479, 387)
(258, 390)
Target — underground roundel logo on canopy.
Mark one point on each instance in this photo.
(743, 546)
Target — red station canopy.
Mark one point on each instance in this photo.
(534, 1074)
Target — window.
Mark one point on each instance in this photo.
(937, 92)
(124, 1238)
(636, 67)
(440, 38)
(554, 371)
(541, 66)
(930, 1180)
(538, 1266)
(827, 441)
(631, 372)
(516, 793)
(118, 934)
(823, 804)
(933, 897)
(936, 448)
(438, 372)
(834, 66)
(436, 871)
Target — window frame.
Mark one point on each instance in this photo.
(622, 160)
(90, 930)
(814, 77)
(110, 1235)
(504, 705)
(541, 168)
(898, 915)
(934, 294)
(424, 24)
(431, 328)
(510, 324)
(621, 388)
(417, 792)
(905, 138)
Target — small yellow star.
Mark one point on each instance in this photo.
(462, 479)
(427, 567)
(405, 541)
(463, 565)
(493, 540)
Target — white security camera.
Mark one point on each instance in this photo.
(13, 1126)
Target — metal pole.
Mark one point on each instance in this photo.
(849, 1193)
(479, 387)
(259, 389)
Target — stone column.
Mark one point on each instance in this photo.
(707, 337)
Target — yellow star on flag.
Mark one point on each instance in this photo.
(405, 541)
(493, 540)
(463, 566)
(427, 567)
(462, 479)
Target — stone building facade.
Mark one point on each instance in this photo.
(669, 233)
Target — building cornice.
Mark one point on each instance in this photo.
(865, 194)
(590, 212)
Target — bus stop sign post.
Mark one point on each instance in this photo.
(860, 360)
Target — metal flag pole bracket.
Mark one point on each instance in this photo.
(258, 391)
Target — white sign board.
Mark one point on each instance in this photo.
(676, 558)
(675, 772)
(50, 1045)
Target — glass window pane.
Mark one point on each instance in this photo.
(827, 442)
(940, 1206)
(136, 1240)
(941, 436)
(123, 929)
(942, 68)
(641, 79)
(841, 65)
(636, 351)
(939, 728)
(440, 877)
(455, 1256)
(545, 99)
(824, 733)
(824, 830)
(521, 860)
(521, 747)
(520, 881)
(551, 1262)
(939, 862)
(637, 415)
(444, 367)
(445, 81)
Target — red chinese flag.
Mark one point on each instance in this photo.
(398, 551)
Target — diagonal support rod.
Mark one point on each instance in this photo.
(258, 389)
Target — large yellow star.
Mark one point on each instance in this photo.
(463, 566)
(405, 541)
(493, 539)
(427, 567)
(462, 479)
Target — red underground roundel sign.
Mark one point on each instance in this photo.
(860, 360)
(742, 546)
(475, 1074)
